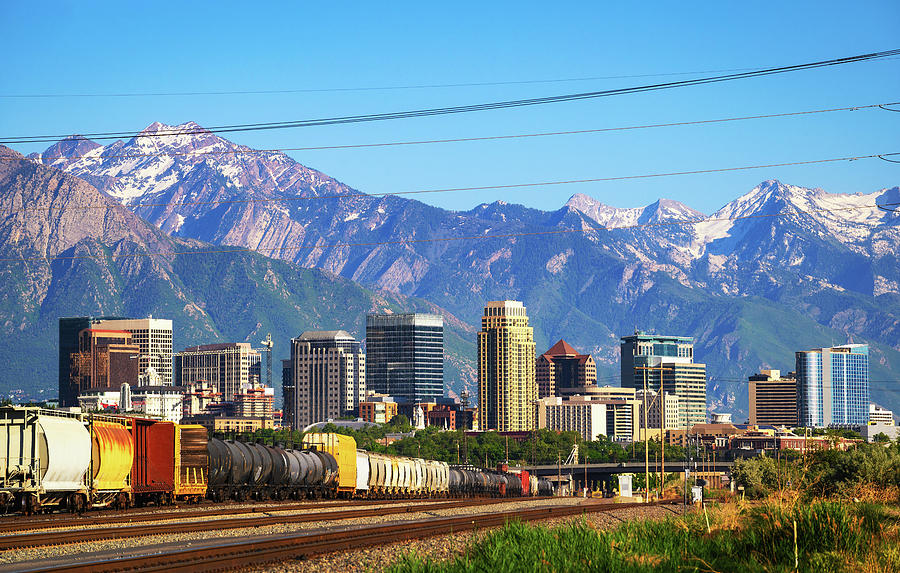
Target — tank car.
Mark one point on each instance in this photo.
(241, 471)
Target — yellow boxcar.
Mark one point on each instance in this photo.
(191, 461)
(343, 448)
(112, 453)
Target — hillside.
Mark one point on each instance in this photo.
(61, 257)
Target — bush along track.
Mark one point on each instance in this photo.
(830, 536)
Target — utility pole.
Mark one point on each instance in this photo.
(558, 473)
(585, 475)
(658, 401)
(646, 443)
(662, 434)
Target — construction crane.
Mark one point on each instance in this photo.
(573, 456)
(268, 346)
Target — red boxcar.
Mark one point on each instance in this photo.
(526, 483)
(153, 472)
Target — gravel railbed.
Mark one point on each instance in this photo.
(74, 550)
(237, 513)
(440, 548)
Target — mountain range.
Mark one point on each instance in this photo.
(779, 269)
(69, 250)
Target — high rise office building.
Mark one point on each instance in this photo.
(70, 343)
(833, 386)
(507, 388)
(562, 370)
(773, 399)
(154, 337)
(106, 359)
(405, 356)
(666, 362)
(226, 368)
(327, 377)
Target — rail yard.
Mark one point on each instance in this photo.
(186, 541)
(115, 493)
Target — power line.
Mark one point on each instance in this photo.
(367, 88)
(467, 108)
(362, 88)
(456, 189)
(544, 233)
(248, 151)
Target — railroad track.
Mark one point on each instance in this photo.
(56, 537)
(68, 520)
(227, 556)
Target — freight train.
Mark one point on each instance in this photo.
(60, 460)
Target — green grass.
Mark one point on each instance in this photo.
(831, 536)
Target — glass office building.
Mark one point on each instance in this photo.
(666, 363)
(833, 386)
(405, 356)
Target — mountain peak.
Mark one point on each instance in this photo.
(72, 146)
(668, 209)
(158, 126)
(7, 153)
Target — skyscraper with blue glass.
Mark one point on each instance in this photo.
(833, 386)
(405, 356)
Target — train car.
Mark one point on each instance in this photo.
(343, 451)
(524, 480)
(191, 462)
(46, 457)
(242, 471)
(112, 455)
(153, 467)
(363, 473)
(544, 487)
(379, 475)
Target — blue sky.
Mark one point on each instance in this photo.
(91, 47)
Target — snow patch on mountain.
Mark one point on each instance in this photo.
(604, 214)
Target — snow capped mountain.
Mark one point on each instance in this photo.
(851, 219)
(188, 166)
(804, 266)
(618, 218)
(603, 214)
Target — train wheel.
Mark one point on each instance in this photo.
(29, 504)
(77, 503)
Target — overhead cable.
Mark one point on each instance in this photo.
(366, 88)
(464, 108)
(105, 206)
(249, 151)
(543, 233)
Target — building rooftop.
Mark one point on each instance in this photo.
(504, 304)
(218, 346)
(414, 318)
(640, 335)
(562, 348)
(325, 335)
